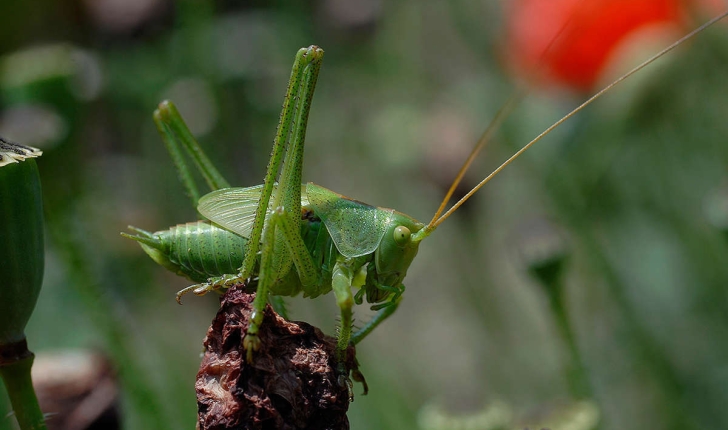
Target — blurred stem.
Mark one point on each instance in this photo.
(15, 364)
(573, 199)
(576, 375)
(642, 345)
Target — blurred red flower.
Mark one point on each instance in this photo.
(571, 41)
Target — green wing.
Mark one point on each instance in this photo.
(355, 227)
(234, 208)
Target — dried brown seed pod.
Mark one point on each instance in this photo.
(292, 383)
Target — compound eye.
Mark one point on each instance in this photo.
(401, 235)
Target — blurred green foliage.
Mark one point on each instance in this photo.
(636, 184)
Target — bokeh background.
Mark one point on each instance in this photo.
(594, 268)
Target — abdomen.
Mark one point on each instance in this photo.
(201, 250)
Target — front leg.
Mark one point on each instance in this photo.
(381, 315)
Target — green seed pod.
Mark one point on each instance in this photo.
(21, 239)
(544, 251)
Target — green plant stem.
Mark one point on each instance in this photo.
(576, 375)
(642, 345)
(15, 373)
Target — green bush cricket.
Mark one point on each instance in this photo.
(307, 239)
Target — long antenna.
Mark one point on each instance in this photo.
(501, 116)
(433, 224)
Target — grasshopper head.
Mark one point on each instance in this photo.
(397, 249)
